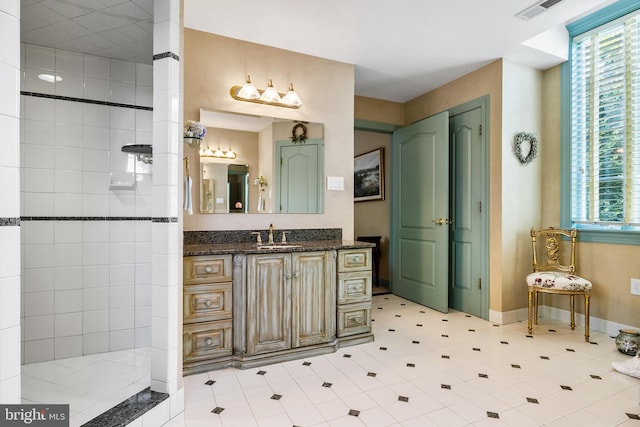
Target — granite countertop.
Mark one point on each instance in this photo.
(253, 248)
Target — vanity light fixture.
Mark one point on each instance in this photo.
(269, 96)
(219, 154)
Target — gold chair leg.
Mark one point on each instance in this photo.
(529, 318)
(572, 306)
(535, 306)
(587, 297)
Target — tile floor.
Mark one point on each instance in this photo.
(89, 384)
(424, 369)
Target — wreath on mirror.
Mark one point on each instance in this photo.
(299, 133)
(518, 139)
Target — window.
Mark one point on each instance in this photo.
(604, 130)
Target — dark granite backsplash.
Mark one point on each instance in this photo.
(245, 236)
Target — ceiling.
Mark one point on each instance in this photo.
(400, 49)
(121, 29)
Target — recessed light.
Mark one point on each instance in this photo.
(49, 78)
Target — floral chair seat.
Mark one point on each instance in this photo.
(558, 280)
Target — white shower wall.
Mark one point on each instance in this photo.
(86, 249)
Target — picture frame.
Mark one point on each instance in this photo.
(368, 176)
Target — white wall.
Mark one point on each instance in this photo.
(86, 284)
(521, 191)
(10, 207)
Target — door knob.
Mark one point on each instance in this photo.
(438, 221)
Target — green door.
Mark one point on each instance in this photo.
(419, 212)
(467, 197)
(299, 176)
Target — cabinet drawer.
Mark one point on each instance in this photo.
(203, 303)
(207, 269)
(354, 260)
(207, 340)
(354, 287)
(354, 319)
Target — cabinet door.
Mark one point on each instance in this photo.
(268, 303)
(314, 298)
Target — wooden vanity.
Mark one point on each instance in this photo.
(247, 306)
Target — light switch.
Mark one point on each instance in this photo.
(335, 183)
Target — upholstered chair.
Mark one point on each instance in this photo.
(554, 272)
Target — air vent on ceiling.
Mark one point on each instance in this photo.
(536, 9)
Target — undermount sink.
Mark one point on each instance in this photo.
(285, 246)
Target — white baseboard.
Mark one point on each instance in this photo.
(595, 324)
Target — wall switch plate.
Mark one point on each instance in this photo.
(635, 286)
(335, 183)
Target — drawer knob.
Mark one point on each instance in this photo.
(208, 341)
(208, 303)
(208, 269)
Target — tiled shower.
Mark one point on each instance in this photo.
(95, 256)
(86, 246)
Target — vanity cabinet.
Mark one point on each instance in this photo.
(207, 312)
(290, 301)
(354, 295)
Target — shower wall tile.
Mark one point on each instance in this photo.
(66, 347)
(38, 350)
(95, 343)
(66, 278)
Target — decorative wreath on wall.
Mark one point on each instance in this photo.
(299, 133)
(518, 139)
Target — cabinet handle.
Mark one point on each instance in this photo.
(208, 269)
(208, 341)
(208, 303)
(296, 274)
(288, 275)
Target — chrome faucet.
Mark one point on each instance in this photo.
(271, 228)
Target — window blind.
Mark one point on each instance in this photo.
(605, 125)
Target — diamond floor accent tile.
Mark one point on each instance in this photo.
(210, 382)
(476, 349)
(327, 385)
(415, 342)
(566, 387)
(544, 357)
(633, 416)
(504, 342)
(371, 374)
(346, 355)
(306, 363)
(483, 375)
(261, 372)
(217, 410)
(383, 348)
(445, 386)
(354, 413)
(515, 366)
(403, 398)
(571, 350)
(533, 400)
(276, 397)
(492, 414)
(596, 377)
(411, 365)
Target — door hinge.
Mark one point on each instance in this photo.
(480, 206)
(479, 283)
(480, 130)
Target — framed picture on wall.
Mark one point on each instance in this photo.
(368, 171)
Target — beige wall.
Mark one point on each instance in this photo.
(377, 110)
(371, 218)
(213, 64)
(609, 267)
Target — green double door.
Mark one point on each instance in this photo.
(439, 225)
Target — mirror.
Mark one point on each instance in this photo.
(278, 168)
(224, 188)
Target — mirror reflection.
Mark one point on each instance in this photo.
(252, 164)
(224, 188)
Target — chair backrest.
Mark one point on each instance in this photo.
(554, 249)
